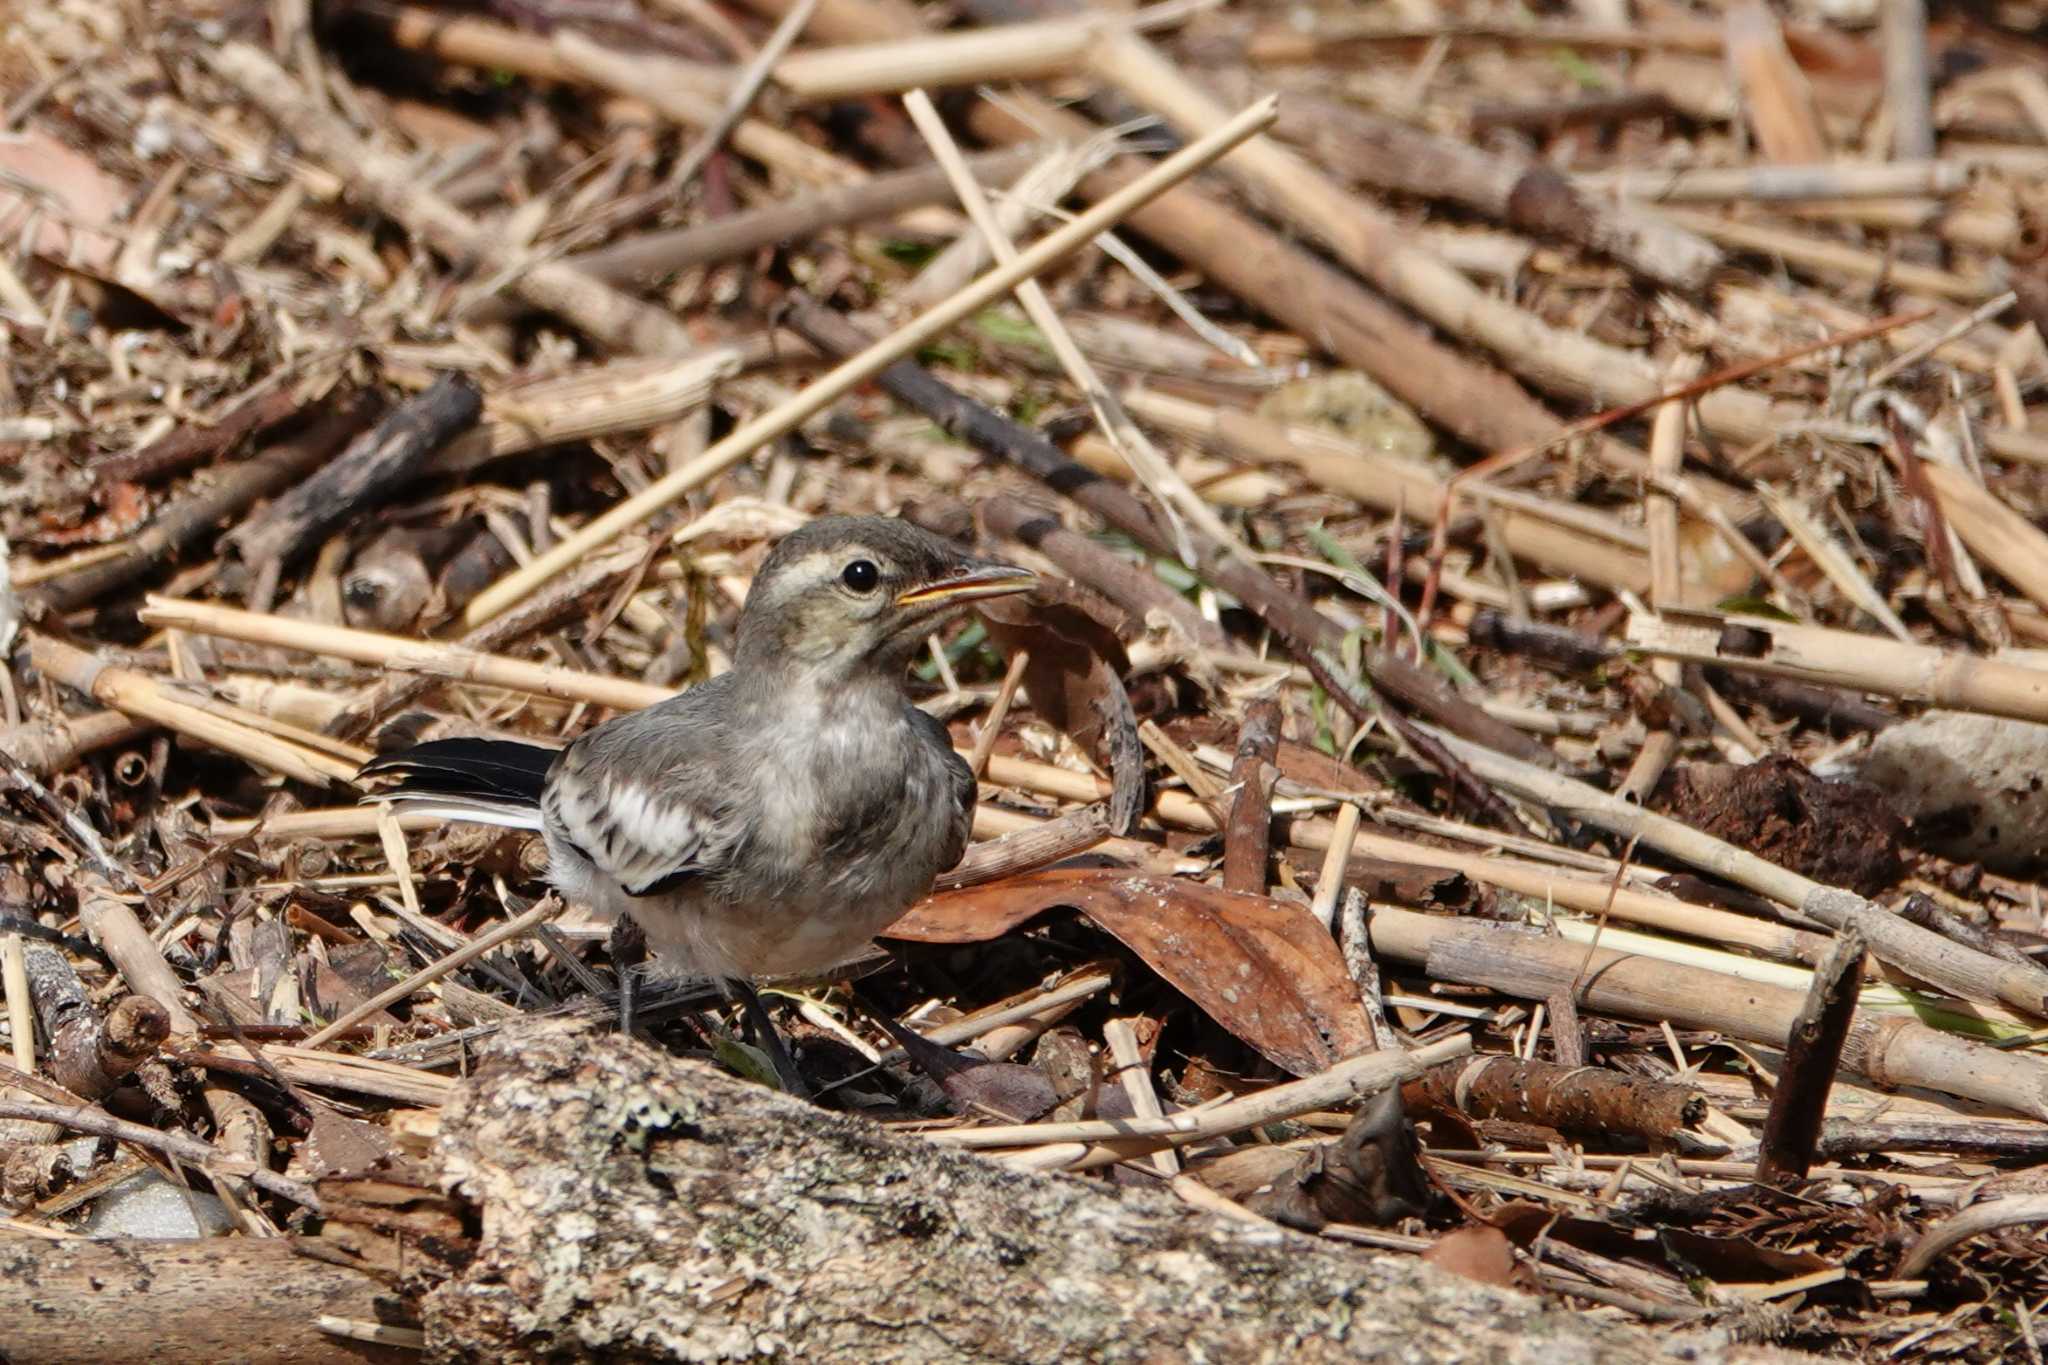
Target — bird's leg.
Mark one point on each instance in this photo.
(769, 1039)
(628, 946)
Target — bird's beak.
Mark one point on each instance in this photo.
(973, 582)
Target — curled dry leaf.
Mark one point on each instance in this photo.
(1372, 1175)
(1264, 970)
(1075, 679)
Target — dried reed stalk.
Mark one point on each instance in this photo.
(1121, 1036)
(1812, 253)
(338, 822)
(599, 400)
(1892, 1050)
(1908, 83)
(21, 1018)
(1773, 90)
(452, 662)
(1826, 180)
(1961, 971)
(1995, 533)
(141, 696)
(1594, 898)
(135, 955)
(479, 42)
(1352, 1079)
(307, 1064)
(392, 184)
(1014, 52)
(45, 747)
(1387, 482)
(1845, 659)
(1023, 51)
(1528, 196)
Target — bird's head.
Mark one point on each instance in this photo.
(847, 597)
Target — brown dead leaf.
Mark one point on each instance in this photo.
(1480, 1253)
(341, 1145)
(973, 914)
(1723, 1258)
(39, 174)
(1264, 970)
(1067, 630)
(1075, 678)
(975, 1086)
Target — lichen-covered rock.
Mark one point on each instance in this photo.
(639, 1207)
(1972, 785)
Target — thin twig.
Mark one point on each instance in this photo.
(547, 909)
(1732, 374)
(992, 727)
(85, 1118)
(746, 87)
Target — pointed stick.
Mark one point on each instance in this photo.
(1813, 1055)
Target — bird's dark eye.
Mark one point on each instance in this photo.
(861, 575)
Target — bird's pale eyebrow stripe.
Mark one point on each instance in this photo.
(824, 565)
(829, 561)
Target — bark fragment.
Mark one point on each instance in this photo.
(89, 1052)
(639, 1206)
(1571, 1099)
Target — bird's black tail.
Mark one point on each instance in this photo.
(486, 781)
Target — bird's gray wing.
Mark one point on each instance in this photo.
(641, 796)
(960, 791)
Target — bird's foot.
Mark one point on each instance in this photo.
(628, 946)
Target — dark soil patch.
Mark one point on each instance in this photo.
(1840, 833)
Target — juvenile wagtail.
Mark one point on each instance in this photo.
(771, 821)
